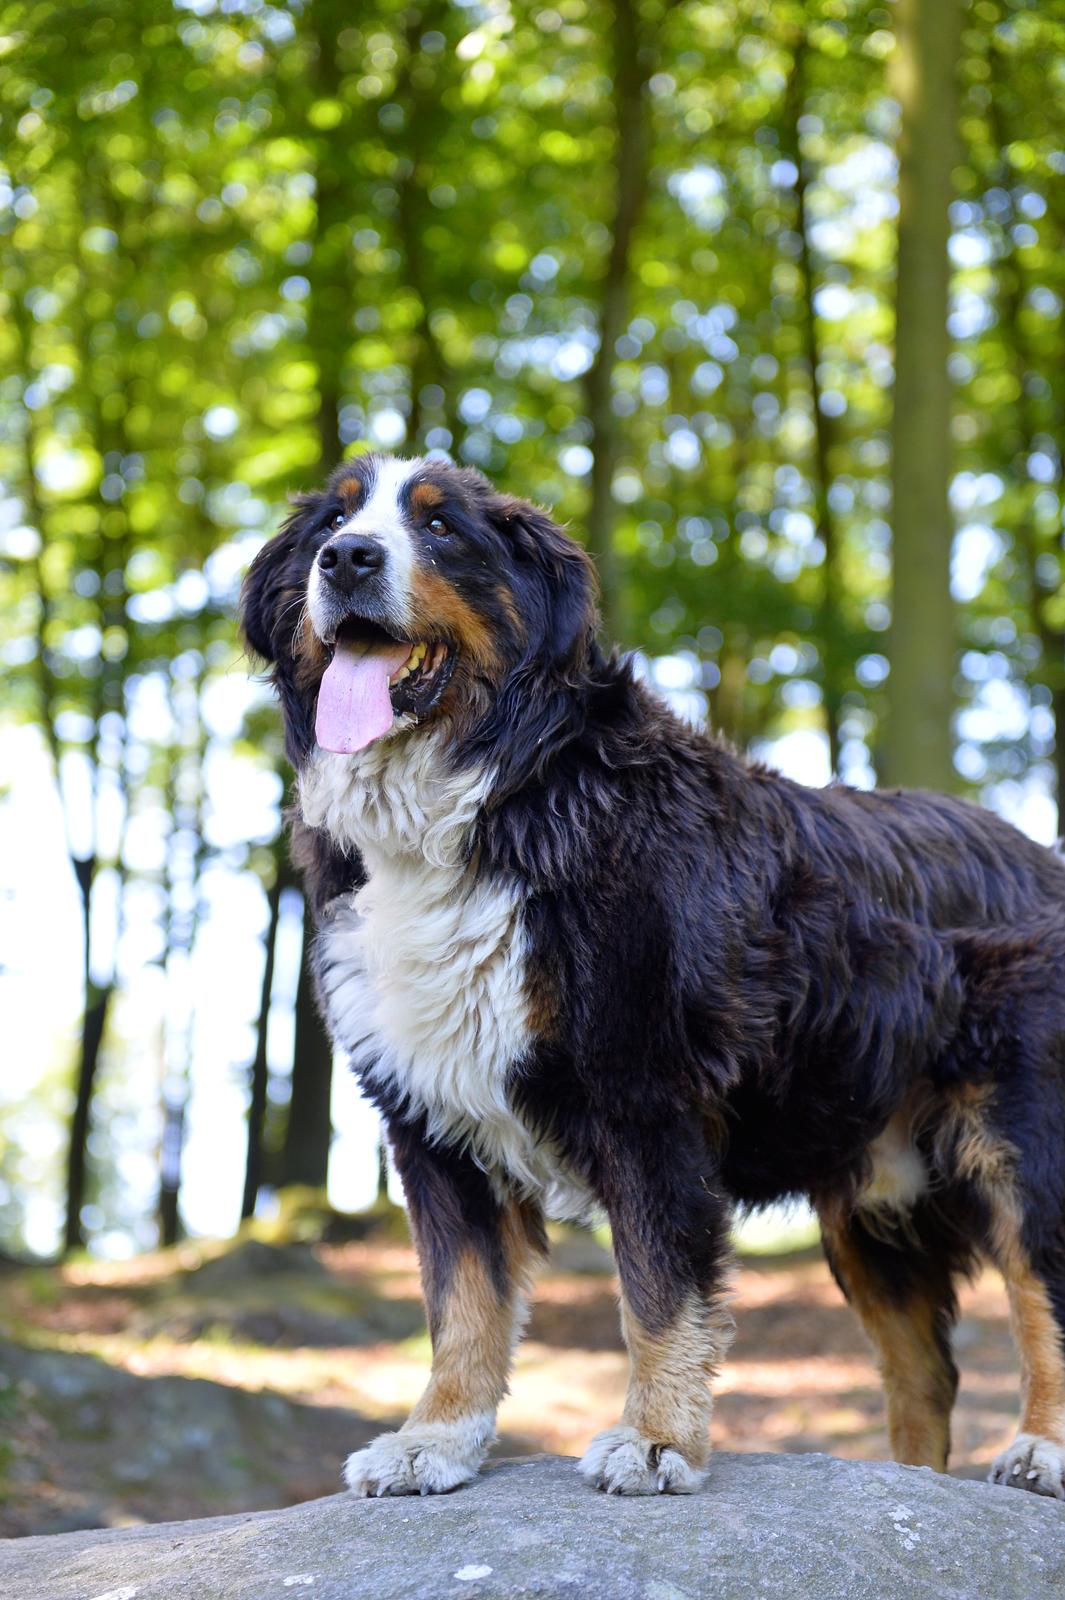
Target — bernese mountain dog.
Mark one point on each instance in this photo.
(586, 959)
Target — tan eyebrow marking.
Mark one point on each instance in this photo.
(351, 490)
(426, 496)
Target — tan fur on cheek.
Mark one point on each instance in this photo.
(441, 612)
(311, 655)
(670, 1370)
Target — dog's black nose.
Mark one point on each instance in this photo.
(350, 558)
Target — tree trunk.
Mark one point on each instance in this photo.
(1011, 290)
(170, 1154)
(96, 1000)
(185, 806)
(305, 1154)
(1058, 707)
(832, 664)
(918, 746)
(421, 101)
(631, 159)
(330, 305)
(382, 1171)
(93, 1024)
(253, 1163)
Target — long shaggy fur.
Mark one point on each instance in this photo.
(707, 986)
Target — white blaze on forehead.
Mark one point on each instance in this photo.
(381, 517)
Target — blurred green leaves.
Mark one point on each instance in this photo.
(238, 239)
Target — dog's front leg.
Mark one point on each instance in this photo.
(670, 1226)
(476, 1254)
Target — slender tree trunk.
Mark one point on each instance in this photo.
(108, 700)
(305, 1154)
(170, 1153)
(630, 174)
(330, 306)
(185, 805)
(96, 999)
(1011, 285)
(421, 102)
(727, 702)
(254, 1160)
(93, 1025)
(824, 520)
(1058, 708)
(918, 745)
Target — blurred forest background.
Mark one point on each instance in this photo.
(722, 281)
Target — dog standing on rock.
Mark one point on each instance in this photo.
(587, 959)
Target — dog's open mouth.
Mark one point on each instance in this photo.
(374, 677)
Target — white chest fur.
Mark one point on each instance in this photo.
(424, 969)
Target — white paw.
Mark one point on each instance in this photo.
(1031, 1463)
(621, 1461)
(422, 1458)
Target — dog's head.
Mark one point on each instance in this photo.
(410, 593)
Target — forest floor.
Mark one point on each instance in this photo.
(211, 1379)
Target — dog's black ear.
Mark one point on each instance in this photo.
(540, 705)
(255, 600)
(565, 590)
(265, 589)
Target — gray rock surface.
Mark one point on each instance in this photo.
(765, 1526)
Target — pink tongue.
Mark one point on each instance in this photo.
(354, 707)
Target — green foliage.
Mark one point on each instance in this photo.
(241, 239)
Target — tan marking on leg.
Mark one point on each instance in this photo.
(1035, 1330)
(477, 1330)
(989, 1161)
(918, 1384)
(668, 1399)
(443, 1442)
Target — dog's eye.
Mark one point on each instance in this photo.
(437, 525)
(338, 519)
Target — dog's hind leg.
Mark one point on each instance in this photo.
(1027, 1242)
(1004, 1135)
(901, 1283)
(1036, 1458)
(477, 1253)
